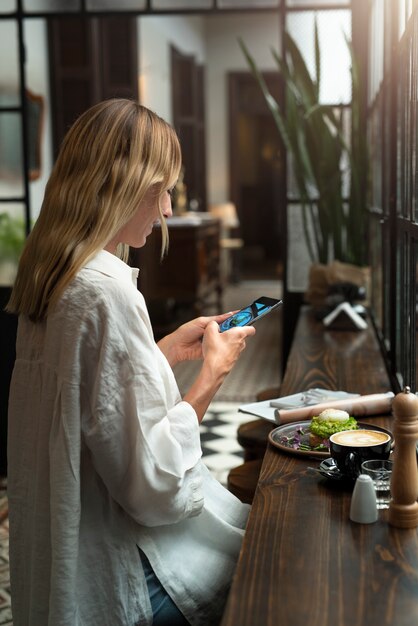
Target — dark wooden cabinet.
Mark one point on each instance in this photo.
(187, 281)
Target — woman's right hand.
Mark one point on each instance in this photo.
(220, 353)
(223, 349)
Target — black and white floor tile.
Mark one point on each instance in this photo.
(5, 608)
(221, 450)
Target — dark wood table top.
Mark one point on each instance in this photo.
(303, 562)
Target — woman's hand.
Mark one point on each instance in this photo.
(185, 343)
(221, 350)
(220, 353)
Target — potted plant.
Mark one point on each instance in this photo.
(12, 239)
(334, 227)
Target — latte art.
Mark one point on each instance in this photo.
(360, 438)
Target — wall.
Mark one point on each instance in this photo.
(260, 33)
(155, 37)
(213, 41)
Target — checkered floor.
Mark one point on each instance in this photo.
(221, 450)
(5, 610)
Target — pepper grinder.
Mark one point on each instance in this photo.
(403, 507)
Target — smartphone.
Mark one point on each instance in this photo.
(251, 313)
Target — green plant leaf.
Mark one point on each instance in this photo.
(313, 136)
(12, 237)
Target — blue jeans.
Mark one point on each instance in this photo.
(164, 611)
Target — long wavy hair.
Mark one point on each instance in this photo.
(109, 158)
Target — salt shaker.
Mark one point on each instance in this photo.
(363, 508)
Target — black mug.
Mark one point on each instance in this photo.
(349, 448)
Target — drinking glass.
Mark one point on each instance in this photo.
(380, 472)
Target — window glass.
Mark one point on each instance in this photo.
(376, 269)
(415, 338)
(376, 156)
(376, 48)
(387, 244)
(398, 298)
(402, 310)
(160, 5)
(11, 164)
(7, 6)
(404, 13)
(319, 3)
(406, 328)
(333, 27)
(34, 6)
(116, 5)
(9, 72)
(407, 132)
(299, 227)
(246, 4)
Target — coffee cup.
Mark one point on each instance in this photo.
(349, 448)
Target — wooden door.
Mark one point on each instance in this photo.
(257, 163)
(91, 59)
(189, 121)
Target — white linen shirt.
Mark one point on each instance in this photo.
(104, 456)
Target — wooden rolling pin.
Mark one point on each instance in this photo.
(373, 404)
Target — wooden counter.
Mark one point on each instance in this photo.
(303, 562)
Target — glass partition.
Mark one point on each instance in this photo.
(375, 239)
(116, 5)
(319, 3)
(245, 4)
(333, 27)
(7, 6)
(403, 311)
(11, 164)
(51, 6)
(9, 72)
(160, 5)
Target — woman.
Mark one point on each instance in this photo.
(114, 519)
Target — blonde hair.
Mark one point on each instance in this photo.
(109, 158)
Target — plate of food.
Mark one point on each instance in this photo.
(310, 437)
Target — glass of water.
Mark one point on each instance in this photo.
(380, 472)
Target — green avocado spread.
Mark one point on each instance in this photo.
(325, 429)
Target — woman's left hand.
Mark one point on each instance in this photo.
(185, 343)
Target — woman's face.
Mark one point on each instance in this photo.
(136, 231)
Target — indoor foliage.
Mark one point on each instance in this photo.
(334, 226)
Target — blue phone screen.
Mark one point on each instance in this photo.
(245, 316)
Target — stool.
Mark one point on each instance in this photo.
(242, 480)
(268, 394)
(253, 437)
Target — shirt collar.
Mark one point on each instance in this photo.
(110, 265)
